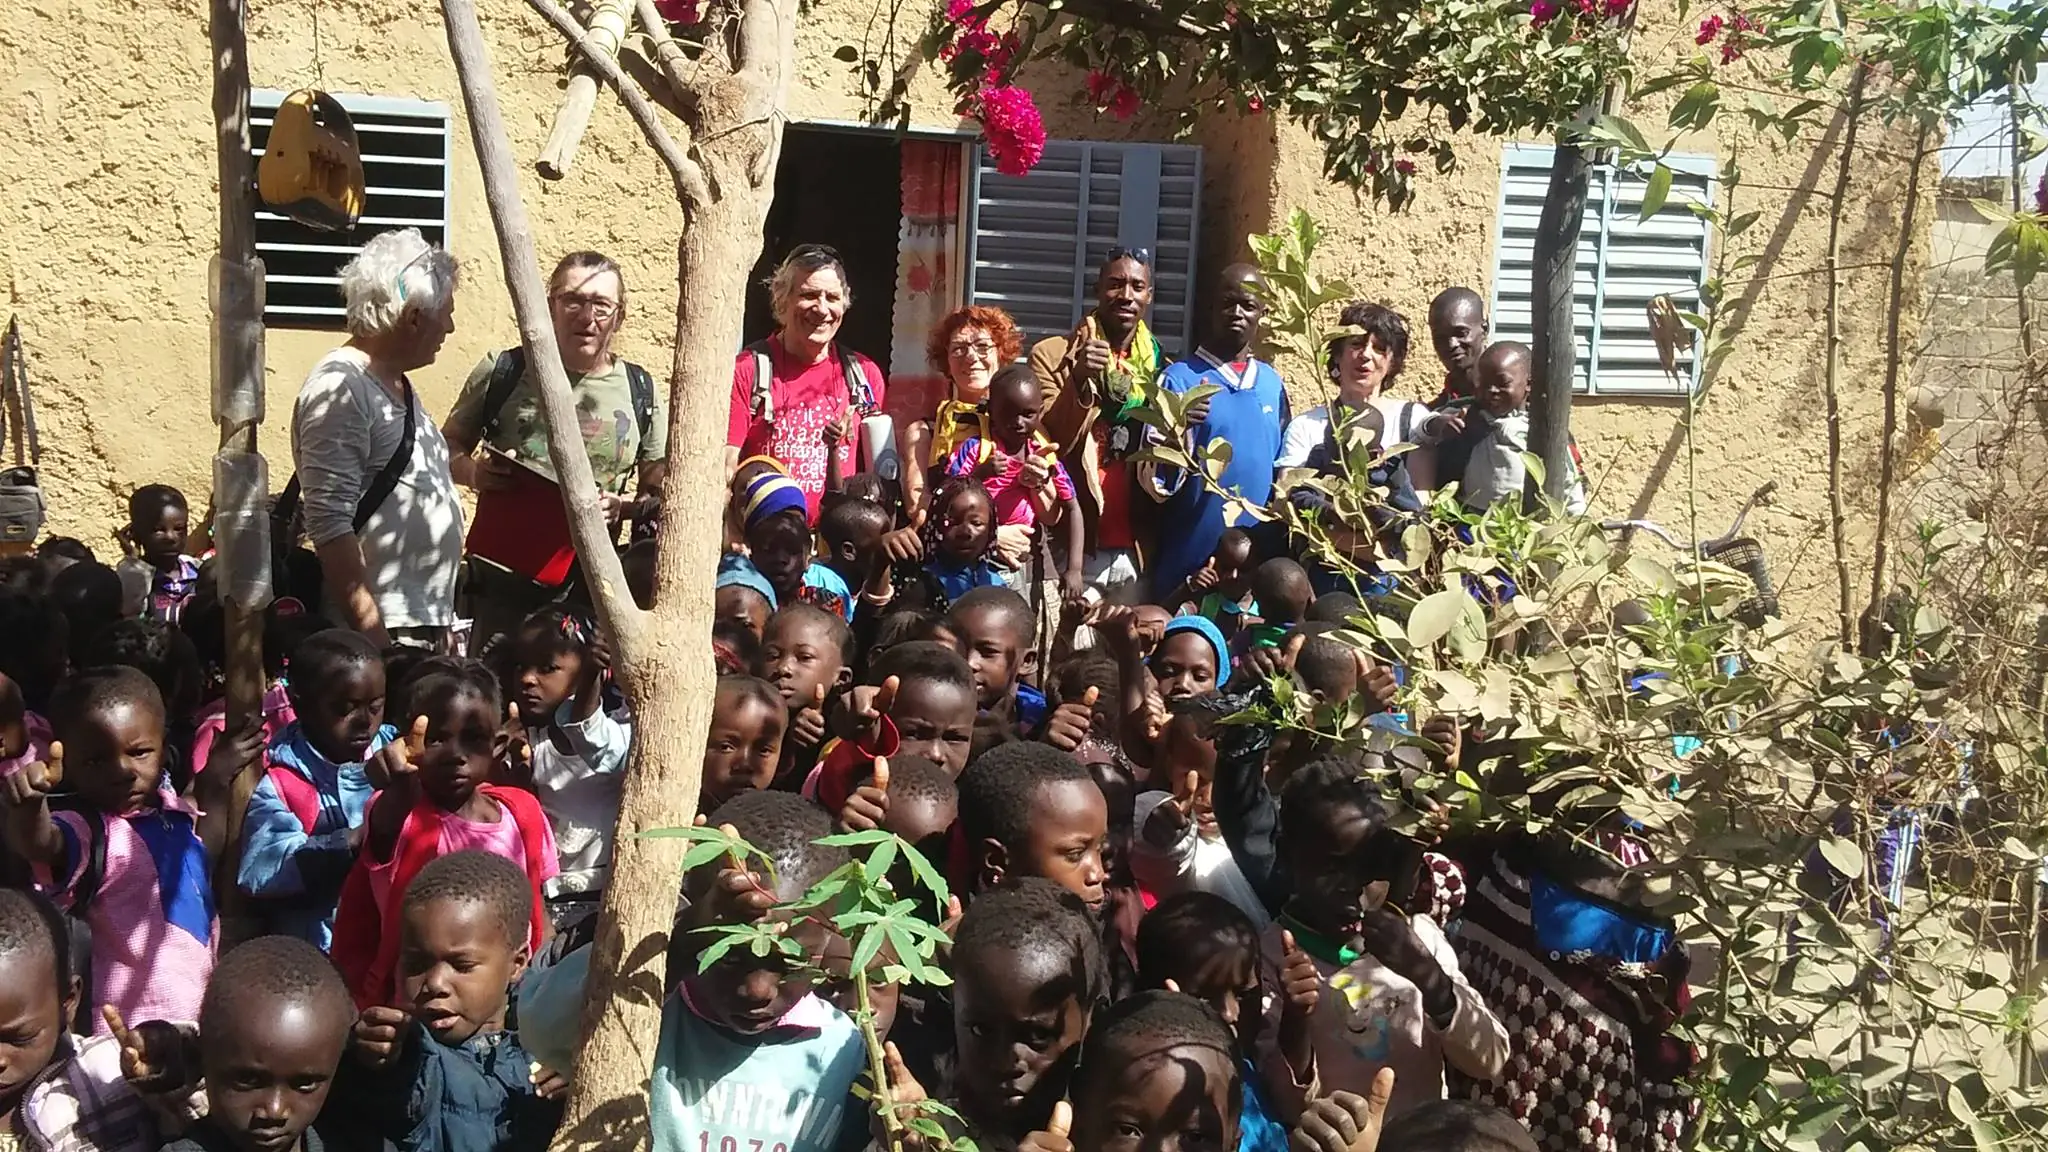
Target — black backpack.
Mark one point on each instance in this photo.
(511, 365)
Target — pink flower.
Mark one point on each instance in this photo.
(1542, 12)
(1254, 105)
(1126, 102)
(1731, 50)
(1010, 122)
(1709, 28)
(1588, 7)
(680, 11)
(1405, 167)
(958, 10)
(1619, 8)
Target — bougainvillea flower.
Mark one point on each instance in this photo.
(1011, 124)
(1542, 12)
(680, 11)
(1709, 28)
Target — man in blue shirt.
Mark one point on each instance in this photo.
(1248, 414)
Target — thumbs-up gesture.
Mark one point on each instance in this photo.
(1053, 1137)
(1036, 472)
(1072, 721)
(738, 895)
(36, 780)
(904, 544)
(997, 463)
(868, 807)
(1300, 987)
(870, 705)
(152, 1053)
(1345, 1121)
(1377, 684)
(807, 728)
(399, 761)
(379, 1035)
(1170, 820)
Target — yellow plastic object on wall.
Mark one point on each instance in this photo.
(312, 168)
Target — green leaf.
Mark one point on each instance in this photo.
(1656, 193)
(930, 877)
(1842, 855)
(867, 948)
(1695, 110)
(1434, 615)
(856, 839)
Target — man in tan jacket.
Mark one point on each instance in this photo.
(1093, 378)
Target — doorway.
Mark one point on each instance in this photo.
(840, 188)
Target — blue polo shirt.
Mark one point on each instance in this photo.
(1249, 413)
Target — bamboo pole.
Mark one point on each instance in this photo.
(606, 31)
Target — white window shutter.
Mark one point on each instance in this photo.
(1036, 240)
(405, 148)
(1622, 264)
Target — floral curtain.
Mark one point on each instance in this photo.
(927, 282)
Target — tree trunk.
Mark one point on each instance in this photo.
(1831, 390)
(1550, 305)
(662, 656)
(1894, 359)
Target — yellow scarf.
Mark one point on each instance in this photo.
(1140, 365)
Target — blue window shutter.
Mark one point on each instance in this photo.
(1622, 265)
(406, 176)
(1036, 240)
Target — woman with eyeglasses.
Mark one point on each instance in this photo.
(519, 551)
(966, 348)
(801, 397)
(375, 489)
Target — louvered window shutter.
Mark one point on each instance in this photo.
(1623, 263)
(405, 149)
(1036, 240)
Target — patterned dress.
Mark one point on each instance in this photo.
(1592, 1066)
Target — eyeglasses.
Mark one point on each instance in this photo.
(596, 306)
(979, 349)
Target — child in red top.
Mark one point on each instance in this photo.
(435, 801)
(1020, 467)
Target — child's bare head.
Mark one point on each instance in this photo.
(1504, 371)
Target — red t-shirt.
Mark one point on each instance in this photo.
(1113, 525)
(806, 398)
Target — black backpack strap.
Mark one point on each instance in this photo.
(642, 386)
(92, 872)
(286, 508)
(386, 480)
(505, 373)
(859, 392)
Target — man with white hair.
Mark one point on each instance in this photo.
(380, 505)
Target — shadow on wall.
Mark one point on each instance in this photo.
(1738, 312)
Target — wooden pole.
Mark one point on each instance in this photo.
(238, 361)
(606, 31)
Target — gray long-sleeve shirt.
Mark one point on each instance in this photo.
(345, 426)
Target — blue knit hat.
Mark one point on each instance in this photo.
(1209, 632)
(771, 493)
(736, 571)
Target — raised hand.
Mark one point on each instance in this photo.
(1053, 1137)
(1170, 820)
(1095, 356)
(869, 708)
(1266, 663)
(400, 759)
(35, 781)
(738, 894)
(1376, 683)
(379, 1036)
(1301, 986)
(1345, 1121)
(1035, 473)
(807, 729)
(1071, 722)
(905, 1092)
(868, 807)
(903, 544)
(1391, 940)
(152, 1053)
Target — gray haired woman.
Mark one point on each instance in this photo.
(379, 501)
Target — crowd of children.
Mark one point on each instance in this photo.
(1177, 933)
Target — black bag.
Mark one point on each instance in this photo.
(295, 570)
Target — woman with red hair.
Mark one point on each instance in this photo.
(966, 348)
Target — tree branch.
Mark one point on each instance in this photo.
(587, 528)
(667, 56)
(692, 189)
